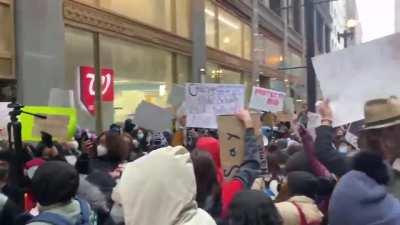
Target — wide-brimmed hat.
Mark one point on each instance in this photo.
(381, 113)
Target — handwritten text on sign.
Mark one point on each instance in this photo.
(267, 100)
(205, 101)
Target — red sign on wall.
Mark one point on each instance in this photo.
(87, 87)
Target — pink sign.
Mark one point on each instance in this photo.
(267, 100)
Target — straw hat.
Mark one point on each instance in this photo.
(381, 113)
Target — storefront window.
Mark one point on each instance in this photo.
(182, 17)
(247, 42)
(153, 12)
(294, 61)
(210, 14)
(230, 77)
(273, 53)
(78, 52)
(183, 69)
(169, 15)
(230, 34)
(141, 73)
(213, 73)
(5, 28)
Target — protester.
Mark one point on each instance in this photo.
(253, 208)
(8, 211)
(160, 188)
(55, 185)
(13, 192)
(208, 187)
(361, 196)
(300, 207)
(245, 176)
(332, 159)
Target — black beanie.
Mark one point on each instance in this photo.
(302, 183)
(55, 182)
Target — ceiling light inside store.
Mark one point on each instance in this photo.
(227, 40)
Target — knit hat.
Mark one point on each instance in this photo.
(360, 200)
(55, 182)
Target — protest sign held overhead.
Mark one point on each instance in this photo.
(61, 122)
(267, 100)
(231, 134)
(205, 101)
(153, 117)
(351, 77)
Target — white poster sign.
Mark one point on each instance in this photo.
(351, 77)
(267, 100)
(153, 117)
(205, 101)
(4, 120)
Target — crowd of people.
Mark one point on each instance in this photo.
(129, 175)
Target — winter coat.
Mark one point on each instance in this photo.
(327, 154)
(291, 215)
(244, 177)
(160, 188)
(8, 211)
(70, 211)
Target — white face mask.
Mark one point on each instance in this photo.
(31, 171)
(343, 149)
(140, 135)
(101, 150)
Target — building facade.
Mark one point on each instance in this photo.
(149, 44)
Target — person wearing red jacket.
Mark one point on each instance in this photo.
(250, 169)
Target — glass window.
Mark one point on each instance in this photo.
(210, 24)
(5, 28)
(230, 77)
(247, 42)
(78, 52)
(154, 12)
(213, 73)
(90, 2)
(183, 69)
(183, 17)
(5, 67)
(141, 73)
(230, 34)
(273, 53)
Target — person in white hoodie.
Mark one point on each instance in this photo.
(160, 188)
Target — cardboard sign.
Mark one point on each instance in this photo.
(314, 120)
(351, 77)
(205, 101)
(152, 117)
(60, 123)
(231, 134)
(177, 95)
(267, 100)
(87, 87)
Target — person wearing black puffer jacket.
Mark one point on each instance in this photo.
(8, 211)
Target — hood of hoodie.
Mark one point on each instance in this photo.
(160, 188)
(211, 145)
(360, 200)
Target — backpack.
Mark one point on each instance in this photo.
(57, 219)
(303, 220)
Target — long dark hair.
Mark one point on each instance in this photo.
(208, 189)
(253, 208)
